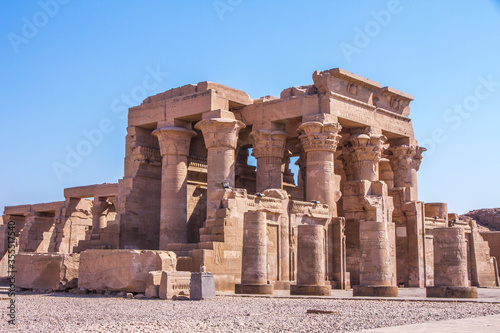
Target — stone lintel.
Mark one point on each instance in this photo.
(89, 191)
(49, 207)
(232, 94)
(342, 74)
(393, 100)
(220, 113)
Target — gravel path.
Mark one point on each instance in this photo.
(63, 312)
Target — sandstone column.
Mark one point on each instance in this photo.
(269, 149)
(174, 148)
(254, 258)
(220, 136)
(99, 212)
(366, 202)
(405, 161)
(408, 216)
(450, 265)
(311, 271)
(319, 141)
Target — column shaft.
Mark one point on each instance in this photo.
(310, 255)
(254, 259)
(450, 257)
(269, 150)
(173, 217)
(220, 136)
(319, 140)
(320, 177)
(285, 249)
(174, 148)
(405, 161)
(254, 256)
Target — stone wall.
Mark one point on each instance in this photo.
(493, 239)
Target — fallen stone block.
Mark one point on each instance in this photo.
(122, 270)
(153, 284)
(47, 271)
(174, 284)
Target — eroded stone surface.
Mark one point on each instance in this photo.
(47, 271)
(123, 270)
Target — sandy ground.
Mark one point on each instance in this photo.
(63, 312)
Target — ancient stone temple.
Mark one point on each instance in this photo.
(349, 216)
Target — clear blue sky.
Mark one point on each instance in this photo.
(69, 68)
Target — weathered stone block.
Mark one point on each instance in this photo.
(174, 284)
(375, 291)
(202, 286)
(451, 292)
(47, 271)
(124, 270)
(153, 284)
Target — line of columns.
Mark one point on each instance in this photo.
(319, 140)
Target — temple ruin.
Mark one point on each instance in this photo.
(349, 217)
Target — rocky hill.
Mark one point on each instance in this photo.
(487, 218)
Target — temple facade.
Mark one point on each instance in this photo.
(349, 216)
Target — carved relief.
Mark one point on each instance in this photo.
(268, 143)
(405, 157)
(219, 132)
(315, 135)
(174, 140)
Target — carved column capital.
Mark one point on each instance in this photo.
(405, 157)
(315, 135)
(220, 132)
(362, 147)
(174, 140)
(269, 143)
(361, 154)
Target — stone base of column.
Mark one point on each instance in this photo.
(311, 290)
(263, 289)
(375, 291)
(451, 292)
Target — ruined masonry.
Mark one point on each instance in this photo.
(349, 217)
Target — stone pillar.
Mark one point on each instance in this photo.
(375, 265)
(285, 250)
(437, 210)
(311, 272)
(220, 136)
(269, 149)
(450, 265)
(254, 257)
(174, 149)
(99, 213)
(367, 202)
(405, 161)
(361, 155)
(319, 141)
